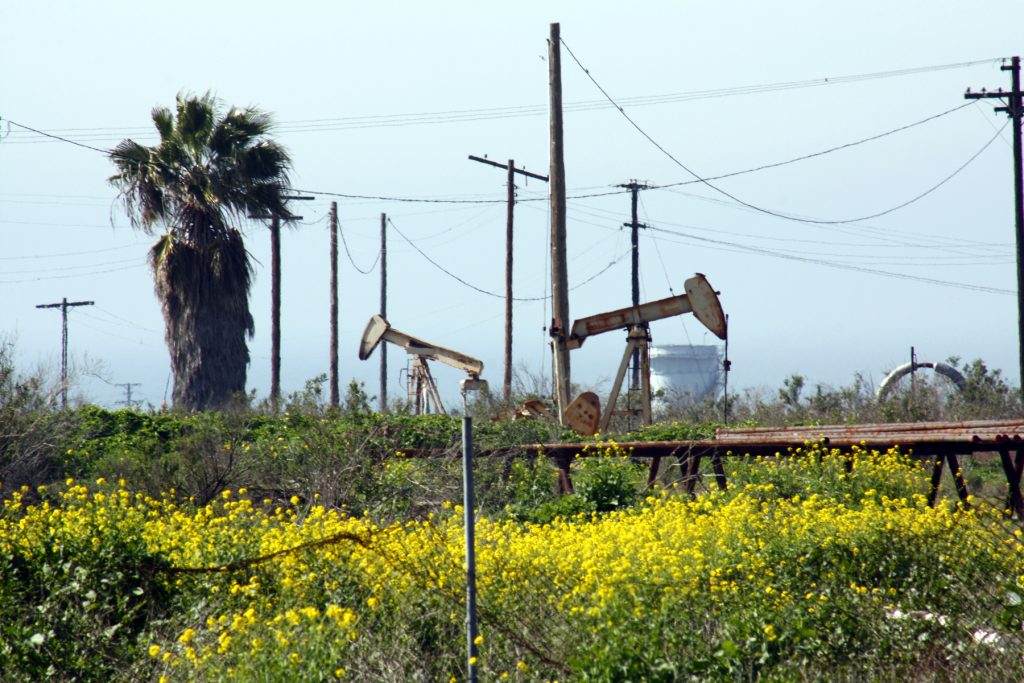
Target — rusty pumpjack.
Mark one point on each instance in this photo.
(584, 413)
(422, 390)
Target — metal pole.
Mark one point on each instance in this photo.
(559, 269)
(469, 523)
(335, 389)
(383, 310)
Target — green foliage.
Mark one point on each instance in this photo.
(986, 393)
(608, 482)
(532, 493)
(32, 431)
(675, 430)
(75, 607)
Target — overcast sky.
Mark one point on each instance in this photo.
(387, 99)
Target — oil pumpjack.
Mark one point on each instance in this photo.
(422, 390)
(584, 413)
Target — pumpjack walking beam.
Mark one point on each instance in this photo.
(422, 388)
(700, 299)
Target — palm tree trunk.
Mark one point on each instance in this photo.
(204, 294)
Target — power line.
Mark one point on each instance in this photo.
(66, 268)
(350, 260)
(823, 152)
(65, 277)
(862, 230)
(697, 178)
(495, 294)
(28, 257)
(453, 275)
(833, 264)
(431, 200)
(706, 181)
(888, 243)
(131, 323)
(465, 115)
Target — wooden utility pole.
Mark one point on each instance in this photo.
(384, 310)
(634, 189)
(128, 402)
(64, 305)
(275, 311)
(559, 270)
(1014, 108)
(275, 297)
(335, 389)
(512, 170)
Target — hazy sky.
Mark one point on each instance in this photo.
(387, 99)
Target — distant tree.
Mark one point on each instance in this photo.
(209, 171)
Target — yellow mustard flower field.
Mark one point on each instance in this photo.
(800, 570)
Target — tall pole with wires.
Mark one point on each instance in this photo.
(1014, 108)
(384, 309)
(64, 305)
(275, 296)
(634, 225)
(335, 389)
(512, 170)
(559, 269)
(275, 311)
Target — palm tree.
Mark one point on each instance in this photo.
(209, 170)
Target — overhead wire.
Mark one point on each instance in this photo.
(27, 257)
(953, 259)
(832, 264)
(886, 234)
(820, 153)
(495, 294)
(59, 269)
(73, 275)
(708, 183)
(349, 254)
(100, 309)
(697, 179)
(488, 113)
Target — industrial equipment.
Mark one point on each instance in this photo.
(700, 299)
(422, 389)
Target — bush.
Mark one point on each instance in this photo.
(73, 606)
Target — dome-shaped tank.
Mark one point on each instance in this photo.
(681, 372)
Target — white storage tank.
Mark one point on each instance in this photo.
(686, 373)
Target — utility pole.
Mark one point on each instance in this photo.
(64, 305)
(634, 188)
(128, 393)
(512, 170)
(275, 311)
(275, 298)
(384, 309)
(335, 390)
(559, 270)
(1014, 108)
